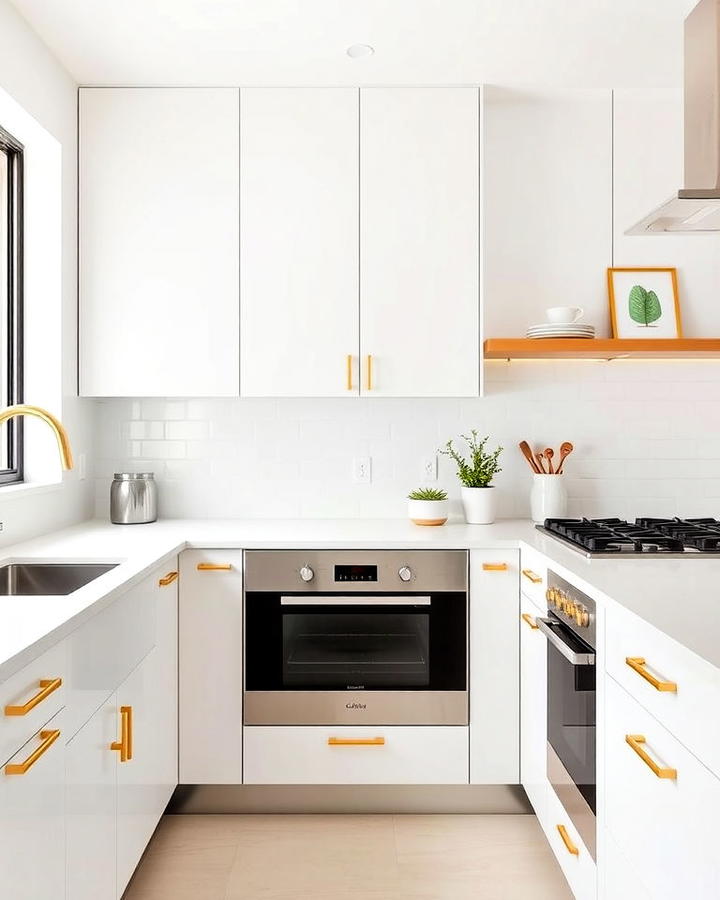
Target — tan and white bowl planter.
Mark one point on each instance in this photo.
(428, 512)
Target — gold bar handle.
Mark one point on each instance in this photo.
(356, 742)
(526, 617)
(48, 738)
(532, 576)
(349, 368)
(369, 372)
(495, 567)
(637, 664)
(566, 839)
(634, 741)
(168, 579)
(213, 567)
(47, 686)
(124, 745)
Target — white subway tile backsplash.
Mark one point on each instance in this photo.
(646, 436)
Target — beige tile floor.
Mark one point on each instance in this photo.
(348, 858)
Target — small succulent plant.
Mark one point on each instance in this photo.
(427, 494)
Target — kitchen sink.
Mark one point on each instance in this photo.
(42, 579)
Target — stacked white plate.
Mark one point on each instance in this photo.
(568, 330)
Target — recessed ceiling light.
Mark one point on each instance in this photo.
(356, 51)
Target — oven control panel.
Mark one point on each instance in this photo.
(571, 606)
(356, 573)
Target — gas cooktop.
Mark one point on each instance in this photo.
(643, 537)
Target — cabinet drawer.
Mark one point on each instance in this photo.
(106, 649)
(34, 696)
(579, 868)
(666, 825)
(688, 711)
(370, 755)
(533, 576)
(618, 877)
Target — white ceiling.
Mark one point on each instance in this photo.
(234, 42)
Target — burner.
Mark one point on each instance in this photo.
(643, 536)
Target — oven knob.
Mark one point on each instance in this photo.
(582, 617)
(405, 573)
(306, 573)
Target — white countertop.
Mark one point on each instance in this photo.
(676, 596)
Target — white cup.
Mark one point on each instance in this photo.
(564, 315)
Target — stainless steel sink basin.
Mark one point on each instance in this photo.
(53, 579)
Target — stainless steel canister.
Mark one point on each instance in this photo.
(133, 498)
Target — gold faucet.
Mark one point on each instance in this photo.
(62, 438)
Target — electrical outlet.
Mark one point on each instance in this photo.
(82, 467)
(362, 470)
(429, 468)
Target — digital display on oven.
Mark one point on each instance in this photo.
(356, 573)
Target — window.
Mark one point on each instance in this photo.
(11, 302)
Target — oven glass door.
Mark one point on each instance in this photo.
(571, 709)
(363, 642)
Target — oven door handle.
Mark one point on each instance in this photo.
(354, 600)
(577, 659)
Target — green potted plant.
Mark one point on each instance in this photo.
(428, 506)
(475, 474)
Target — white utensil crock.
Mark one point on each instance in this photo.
(479, 505)
(548, 498)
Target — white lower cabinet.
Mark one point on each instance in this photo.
(366, 755)
(570, 851)
(32, 817)
(616, 876)
(90, 807)
(661, 803)
(533, 709)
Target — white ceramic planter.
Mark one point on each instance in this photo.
(548, 498)
(428, 512)
(479, 505)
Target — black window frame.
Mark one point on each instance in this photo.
(13, 325)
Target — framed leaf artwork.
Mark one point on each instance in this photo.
(644, 303)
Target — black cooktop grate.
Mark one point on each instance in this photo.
(644, 535)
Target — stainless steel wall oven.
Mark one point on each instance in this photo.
(374, 637)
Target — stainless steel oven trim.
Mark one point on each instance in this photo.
(572, 801)
(356, 708)
(576, 659)
(356, 600)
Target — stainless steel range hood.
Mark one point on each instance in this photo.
(696, 208)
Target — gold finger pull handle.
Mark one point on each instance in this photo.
(369, 372)
(567, 840)
(356, 742)
(348, 371)
(635, 741)
(47, 686)
(48, 738)
(531, 576)
(526, 617)
(168, 579)
(495, 567)
(124, 745)
(637, 664)
(214, 567)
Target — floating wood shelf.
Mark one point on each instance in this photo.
(602, 348)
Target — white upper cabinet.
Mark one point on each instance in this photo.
(299, 248)
(159, 309)
(547, 206)
(419, 242)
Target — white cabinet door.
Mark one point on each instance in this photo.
(211, 653)
(90, 808)
(32, 819)
(533, 709)
(494, 715)
(165, 686)
(159, 306)
(299, 242)
(419, 244)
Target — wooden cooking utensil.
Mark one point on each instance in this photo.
(549, 453)
(566, 448)
(527, 453)
(541, 462)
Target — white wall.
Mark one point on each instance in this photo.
(36, 81)
(647, 438)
